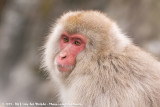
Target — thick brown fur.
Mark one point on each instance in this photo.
(110, 72)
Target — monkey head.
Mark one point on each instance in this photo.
(79, 38)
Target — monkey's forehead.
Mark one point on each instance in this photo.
(75, 22)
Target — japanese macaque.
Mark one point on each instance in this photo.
(96, 65)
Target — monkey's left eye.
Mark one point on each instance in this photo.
(77, 43)
(65, 39)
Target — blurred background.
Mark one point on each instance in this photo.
(25, 23)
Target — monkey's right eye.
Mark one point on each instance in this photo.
(65, 39)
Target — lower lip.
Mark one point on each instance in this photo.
(63, 69)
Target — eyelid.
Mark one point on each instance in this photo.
(79, 40)
(63, 36)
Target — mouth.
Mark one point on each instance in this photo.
(64, 68)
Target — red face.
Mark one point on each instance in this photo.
(70, 47)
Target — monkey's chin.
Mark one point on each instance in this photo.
(65, 68)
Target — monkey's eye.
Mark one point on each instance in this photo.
(65, 39)
(77, 43)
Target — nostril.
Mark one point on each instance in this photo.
(64, 57)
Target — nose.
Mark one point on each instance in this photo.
(63, 55)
